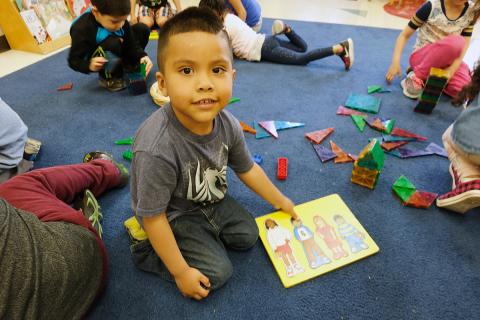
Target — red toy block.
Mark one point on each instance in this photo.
(65, 87)
(282, 169)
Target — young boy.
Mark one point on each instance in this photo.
(181, 153)
(102, 33)
(153, 12)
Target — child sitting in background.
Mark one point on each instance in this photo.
(151, 12)
(253, 46)
(462, 143)
(104, 28)
(444, 31)
(180, 158)
(248, 11)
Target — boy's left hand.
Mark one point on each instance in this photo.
(287, 206)
(148, 63)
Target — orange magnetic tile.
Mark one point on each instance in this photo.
(318, 136)
(247, 128)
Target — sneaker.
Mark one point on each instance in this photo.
(113, 85)
(455, 177)
(94, 155)
(464, 197)
(91, 210)
(279, 27)
(412, 86)
(348, 53)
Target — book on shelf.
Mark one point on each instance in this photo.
(55, 17)
(77, 7)
(34, 25)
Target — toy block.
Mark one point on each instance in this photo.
(135, 230)
(342, 156)
(323, 153)
(66, 87)
(436, 81)
(258, 159)
(282, 168)
(372, 156)
(247, 128)
(389, 146)
(128, 155)
(403, 188)
(362, 102)
(269, 126)
(137, 81)
(31, 149)
(359, 121)
(364, 176)
(342, 111)
(125, 142)
(436, 149)
(407, 134)
(318, 136)
(233, 100)
(421, 199)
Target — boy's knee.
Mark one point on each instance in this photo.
(219, 272)
(250, 238)
(456, 43)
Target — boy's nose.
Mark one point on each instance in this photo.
(205, 83)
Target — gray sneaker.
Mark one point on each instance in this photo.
(113, 85)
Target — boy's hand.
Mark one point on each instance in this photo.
(286, 205)
(192, 283)
(96, 64)
(148, 63)
(393, 70)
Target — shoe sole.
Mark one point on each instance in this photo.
(405, 92)
(351, 52)
(277, 32)
(461, 203)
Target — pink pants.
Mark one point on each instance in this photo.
(48, 192)
(441, 54)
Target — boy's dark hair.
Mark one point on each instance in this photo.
(114, 8)
(217, 6)
(189, 20)
(470, 91)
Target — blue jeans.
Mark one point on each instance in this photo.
(465, 131)
(293, 51)
(203, 237)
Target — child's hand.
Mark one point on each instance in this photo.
(96, 64)
(287, 206)
(192, 284)
(148, 63)
(393, 70)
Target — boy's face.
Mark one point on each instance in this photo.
(110, 23)
(198, 77)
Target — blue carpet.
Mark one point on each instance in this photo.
(428, 266)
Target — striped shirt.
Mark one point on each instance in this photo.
(433, 24)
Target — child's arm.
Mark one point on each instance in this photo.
(133, 17)
(395, 68)
(239, 9)
(457, 62)
(257, 180)
(189, 280)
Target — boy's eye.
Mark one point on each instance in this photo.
(186, 70)
(218, 70)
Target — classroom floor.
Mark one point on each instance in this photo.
(353, 12)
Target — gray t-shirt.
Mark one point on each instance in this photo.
(176, 171)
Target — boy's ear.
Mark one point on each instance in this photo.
(162, 85)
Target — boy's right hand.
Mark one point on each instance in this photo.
(393, 70)
(192, 283)
(97, 63)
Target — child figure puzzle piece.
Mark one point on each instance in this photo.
(304, 235)
(351, 234)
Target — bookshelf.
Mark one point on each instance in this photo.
(18, 35)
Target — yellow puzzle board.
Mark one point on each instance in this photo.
(320, 250)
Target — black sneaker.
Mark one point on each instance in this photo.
(113, 85)
(91, 210)
(347, 54)
(94, 155)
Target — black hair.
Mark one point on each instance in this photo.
(114, 8)
(217, 6)
(189, 20)
(470, 91)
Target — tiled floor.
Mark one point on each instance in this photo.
(354, 12)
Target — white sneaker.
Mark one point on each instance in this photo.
(278, 27)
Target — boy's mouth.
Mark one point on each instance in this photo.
(205, 102)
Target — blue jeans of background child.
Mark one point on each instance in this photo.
(293, 51)
(13, 135)
(203, 237)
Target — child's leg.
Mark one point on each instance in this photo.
(13, 135)
(440, 54)
(460, 79)
(295, 42)
(141, 33)
(114, 45)
(272, 51)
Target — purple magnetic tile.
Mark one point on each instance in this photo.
(406, 152)
(323, 153)
(435, 148)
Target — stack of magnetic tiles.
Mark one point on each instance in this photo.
(433, 90)
(366, 169)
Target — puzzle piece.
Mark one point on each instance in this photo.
(65, 87)
(436, 81)
(403, 188)
(342, 156)
(127, 141)
(318, 136)
(363, 102)
(323, 153)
